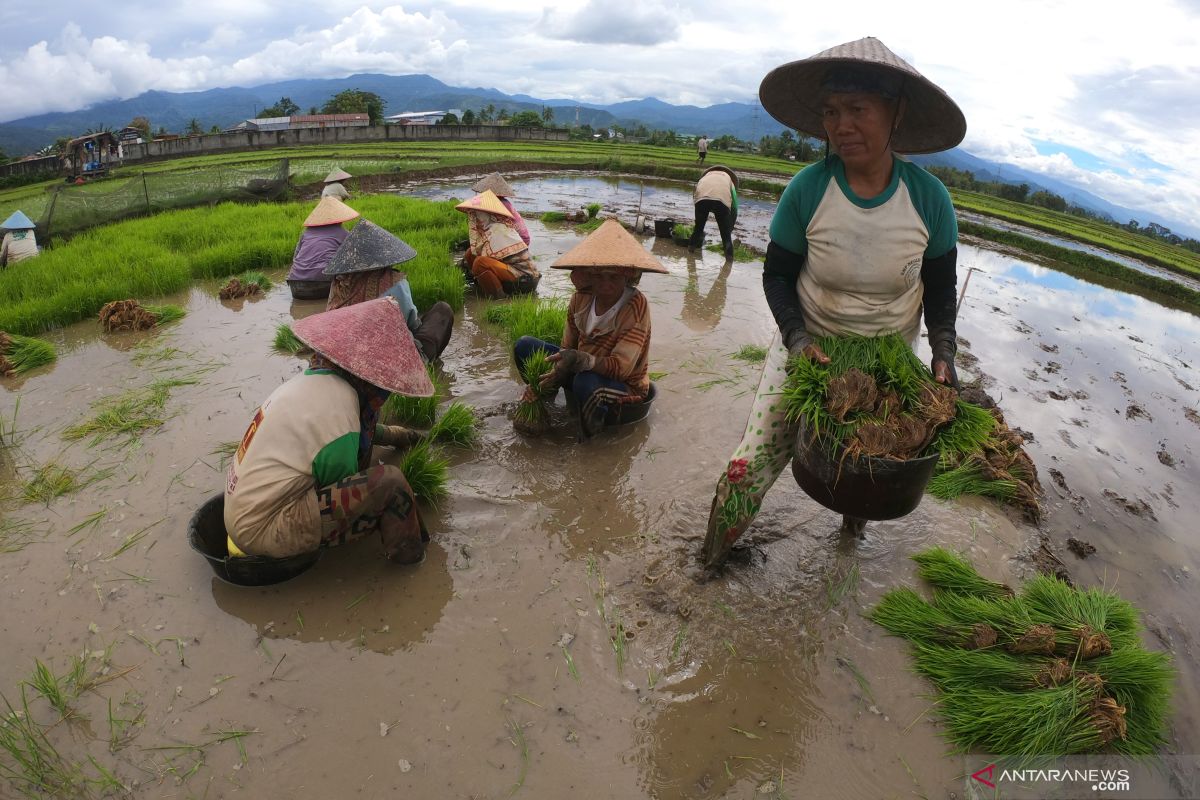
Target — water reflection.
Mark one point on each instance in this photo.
(353, 595)
(702, 312)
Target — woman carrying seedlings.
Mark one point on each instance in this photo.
(19, 242)
(322, 236)
(862, 242)
(302, 478)
(716, 194)
(362, 269)
(606, 340)
(496, 184)
(498, 258)
(333, 185)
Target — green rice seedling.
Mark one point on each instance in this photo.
(951, 572)
(1054, 721)
(257, 278)
(740, 251)
(427, 472)
(1141, 681)
(553, 216)
(19, 354)
(49, 482)
(966, 433)
(751, 354)
(419, 412)
(682, 232)
(287, 342)
(593, 209)
(34, 767)
(457, 425)
(44, 682)
(128, 414)
(167, 313)
(967, 478)
(529, 315)
(952, 669)
(589, 226)
(533, 414)
(905, 613)
(1090, 611)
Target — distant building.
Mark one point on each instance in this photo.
(130, 136)
(300, 121)
(421, 117)
(91, 154)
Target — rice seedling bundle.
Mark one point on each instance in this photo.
(20, 354)
(531, 415)
(130, 315)
(248, 284)
(457, 425)
(418, 412)
(553, 216)
(427, 471)
(286, 340)
(877, 399)
(543, 318)
(1051, 670)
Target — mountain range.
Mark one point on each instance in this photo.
(227, 106)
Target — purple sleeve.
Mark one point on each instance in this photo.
(517, 222)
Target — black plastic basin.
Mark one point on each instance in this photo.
(207, 536)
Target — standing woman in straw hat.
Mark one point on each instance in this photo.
(302, 477)
(496, 184)
(862, 242)
(498, 258)
(333, 185)
(605, 349)
(19, 241)
(363, 269)
(323, 234)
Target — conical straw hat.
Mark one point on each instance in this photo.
(370, 340)
(330, 211)
(369, 247)
(338, 174)
(17, 221)
(494, 183)
(932, 122)
(485, 201)
(609, 247)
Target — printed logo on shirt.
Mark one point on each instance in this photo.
(249, 437)
(911, 272)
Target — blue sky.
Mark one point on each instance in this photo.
(1105, 96)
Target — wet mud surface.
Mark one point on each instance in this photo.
(560, 640)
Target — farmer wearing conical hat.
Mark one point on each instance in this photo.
(19, 241)
(323, 234)
(604, 355)
(498, 258)
(333, 185)
(302, 477)
(495, 183)
(862, 242)
(363, 269)
(716, 194)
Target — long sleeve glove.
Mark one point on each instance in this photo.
(939, 277)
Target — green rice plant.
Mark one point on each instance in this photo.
(167, 313)
(427, 472)
(905, 613)
(23, 353)
(533, 414)
(951, 572)
(1054, 721)
(952, 669)
(682, 232)
(966, 433)
(967, 478)
(419, 412)
(257, 278)
(1141, 681)
(33, 767)
(587, 227)
(457, 425)
(751, 354)
(287, 342)
(542, 318)
(49, 482)
(44, 682)
(593, 209)
(1053, 602)
(741, 252)
(128, 414)
(553, 216)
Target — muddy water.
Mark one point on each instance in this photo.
(452, 679)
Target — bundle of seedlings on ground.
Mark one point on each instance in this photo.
(876, 399)
(1051, 670)
(248, 284)
(457, 425)
(540, 317)
(532, 416)
(287, 342)
(427, 471)
(22, 353)
(130, 315)
(418, 412)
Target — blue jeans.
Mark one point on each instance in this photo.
(582, 385)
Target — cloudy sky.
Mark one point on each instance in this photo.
(1103, 94)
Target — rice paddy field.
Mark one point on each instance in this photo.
(560, 640)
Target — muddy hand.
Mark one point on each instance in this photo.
(801, 345)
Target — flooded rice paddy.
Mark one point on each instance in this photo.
(559, 640)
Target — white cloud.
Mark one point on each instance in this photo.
(602, 22)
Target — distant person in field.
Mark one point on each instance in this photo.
(604, 355)
(303, 477)
(19, 241)
(498, 258)
(862, 243)
(323, 234)
(716, 194)
(498, 186)
(363, 269)
(333, 185)
(701, 149)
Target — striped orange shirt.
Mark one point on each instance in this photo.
(621, 347)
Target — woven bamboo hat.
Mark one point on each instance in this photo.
(494, 183)
(485, 201)
(338, 174)
(792, 94)
(726, 170)
(369, 340)
(609, 247)
(17, 221)
(369, 247)
(330, 211)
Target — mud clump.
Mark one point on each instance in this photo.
(126, 315)
(1037, 639)
(982, 637)
(1056, 673)
(1048, 348)
(1134, 411)
(235, 289)
(1080, 548)
(6, 366)
(1092, 643)
(1192, 415)
(1140, 508)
